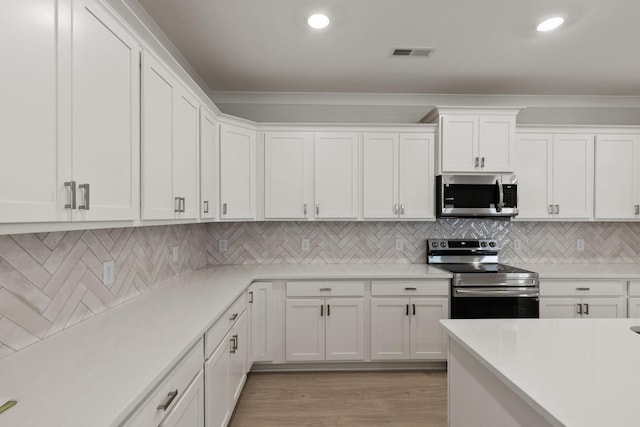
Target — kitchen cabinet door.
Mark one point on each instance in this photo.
(106, 111)
(344, 329)
(336, 175)
(559, 308)
(237, 172)
(633, 307)
(380, 175)
(209, 165)
(185, 154)
(239, 355)
(573, 176)
(287, 175)
(390, 329)
(189, 410)
(496, 143)
(304, 330)
(416, 176)
(617, 159)
(533, 169)
(459, 143)
(218, 403)
(158, 93)
(604, 308)
(35, 154)
(262, 305)
(428, 341)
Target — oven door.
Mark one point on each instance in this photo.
(495, 303)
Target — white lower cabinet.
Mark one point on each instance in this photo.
(406, 327)
(560, 299)
(225, 369)
(318, 329)
(262, 321)
(178, 400)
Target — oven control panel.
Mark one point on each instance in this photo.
(458, 244)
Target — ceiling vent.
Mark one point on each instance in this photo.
(422, 52)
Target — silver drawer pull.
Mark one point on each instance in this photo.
(583, 289)
(86, 196)
(410, 289)
(325, 289)
(637, 209)
(169, 400)
(206, 206)
(71, 196)
(233, 317)
(586, 309)
(176, 204)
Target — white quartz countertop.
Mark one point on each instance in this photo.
(584, 271)
(574, 372)
(94, 373)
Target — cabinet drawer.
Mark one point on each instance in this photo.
(216, 333)
(410, 288)
(177, 381)
(582, 288)
(634, 288)
(326, 289)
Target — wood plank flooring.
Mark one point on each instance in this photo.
(399, 399)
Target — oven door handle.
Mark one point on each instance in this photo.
(497, 292)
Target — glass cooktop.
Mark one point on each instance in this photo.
(481, 268)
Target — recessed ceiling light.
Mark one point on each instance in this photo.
(318, 21)
(550, 24)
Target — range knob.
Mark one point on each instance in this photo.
(434, 244)
(492, 244)
(443, 244)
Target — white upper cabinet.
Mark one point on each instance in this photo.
(237, 172)
(336, 175)
(476, 141)
(288, 175)
(397, 176)
(31, 155)
(169, 146)
(617, 161)
(555, 176)
(185, 154)
(209, 164)
(106, 95)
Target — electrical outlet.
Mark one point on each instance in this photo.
(516, 244)
(108, 272)
(580, 244)
(174, 254)
(222, 245)
(305, 244)
(399, 244)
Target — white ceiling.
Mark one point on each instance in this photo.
(482, 46)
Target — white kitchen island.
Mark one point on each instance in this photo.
(543, 372)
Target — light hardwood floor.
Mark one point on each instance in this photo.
(399, 399)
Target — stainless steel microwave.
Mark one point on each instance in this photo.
(476, 196)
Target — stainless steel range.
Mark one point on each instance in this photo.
(481, 287)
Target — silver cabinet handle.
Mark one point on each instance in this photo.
(171, 396)
(328, 309)
(579, 308)
(71, 194)
(206, 206)
(224, 209)
(583, 289)
(476, 164)
(414, 309)
(176, 204)
(325, 289)
(411, 289)
(482, 163)
(636, 209)
(402, 209)
(395, 209)
(233, 317)
(86, 196)
(250, 297)
(304, 208)
(586, 309)
(322, 310)
(184, 205)
(317, 208)
(407, 310)
(233, 344)
(557, 209)
(551, 209)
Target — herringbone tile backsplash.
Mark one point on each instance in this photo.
(50, 281)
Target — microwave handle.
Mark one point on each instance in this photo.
(500, 203)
